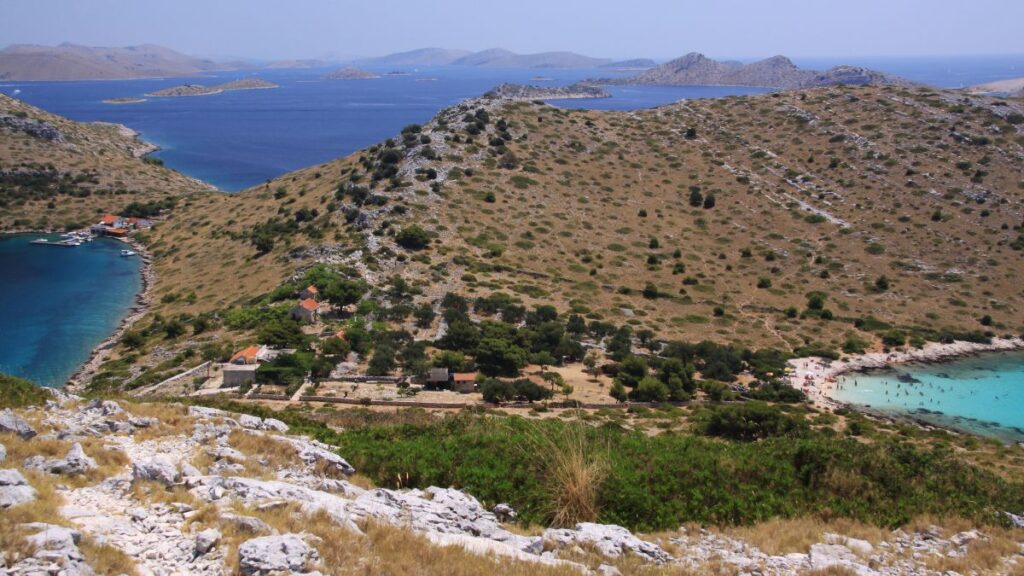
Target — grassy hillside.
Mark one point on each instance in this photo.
(899, 206)
(59, 174)
(839, 217)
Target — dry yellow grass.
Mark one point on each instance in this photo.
(783, 536)
(106, 559)
(152, 492)
(45, 508)
(174, 419)
(109, 461)
(264, 455)
(574, 471)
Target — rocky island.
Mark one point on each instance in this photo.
(124, 100)
(201, 90)
(696, 69)
(350, 73)
(528, 92)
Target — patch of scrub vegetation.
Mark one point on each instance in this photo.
(18, 393)
(738, 465)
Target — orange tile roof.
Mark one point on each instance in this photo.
(312, 289)
(117, 231)
(464, 376)
(340, 334)
(309, 304)
(247, 353)
(109, 219)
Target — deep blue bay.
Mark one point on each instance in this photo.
(238, 139)
(58, 303)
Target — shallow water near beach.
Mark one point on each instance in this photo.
(57, 303)
(982, 394)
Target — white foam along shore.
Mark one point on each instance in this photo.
(817, 376)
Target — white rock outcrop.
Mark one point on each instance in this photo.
(11, 422)
(14, 489)
(282, 554)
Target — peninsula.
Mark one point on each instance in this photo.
(201, 90)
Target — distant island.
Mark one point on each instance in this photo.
(492, 58)
(695, 69)
(1013, 87)
(296, 64)
(201, 90)
(634, 64)
(124, 100)
(350, 73)
(526, 92)
(73, 62)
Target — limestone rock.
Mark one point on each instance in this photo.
(14, 489)
(612, 541)
(103, 407)
(275, 425)
(11, 422)
(249, 524)
(826, 556)
(189, 471)
(504, 512)
(286, 553)
(3, 453)
(855, 544)
(76, 462)
(313, 452)
(206, 540)
(251, 422)
(159, 468)
(54, 545)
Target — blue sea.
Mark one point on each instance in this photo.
(242, 138)
(982, 394)
(57, 303)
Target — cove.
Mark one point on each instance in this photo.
(58, 303)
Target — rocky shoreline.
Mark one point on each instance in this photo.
(81, 378)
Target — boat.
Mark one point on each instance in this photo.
(127, 253)
(45, 242)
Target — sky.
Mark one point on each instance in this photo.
(266, 29)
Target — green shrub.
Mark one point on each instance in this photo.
(18, 393)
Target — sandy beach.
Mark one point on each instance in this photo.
(817, 376)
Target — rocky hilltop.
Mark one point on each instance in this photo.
(350, 73)
(201, 90)
(776, 72)
(526, 92)
(73, 62)
(100, 487)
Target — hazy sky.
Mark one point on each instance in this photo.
(654, 28)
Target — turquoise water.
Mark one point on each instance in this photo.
(57, 304)
(983, 394)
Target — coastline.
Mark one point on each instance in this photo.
(817, 376)
(79, 380)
